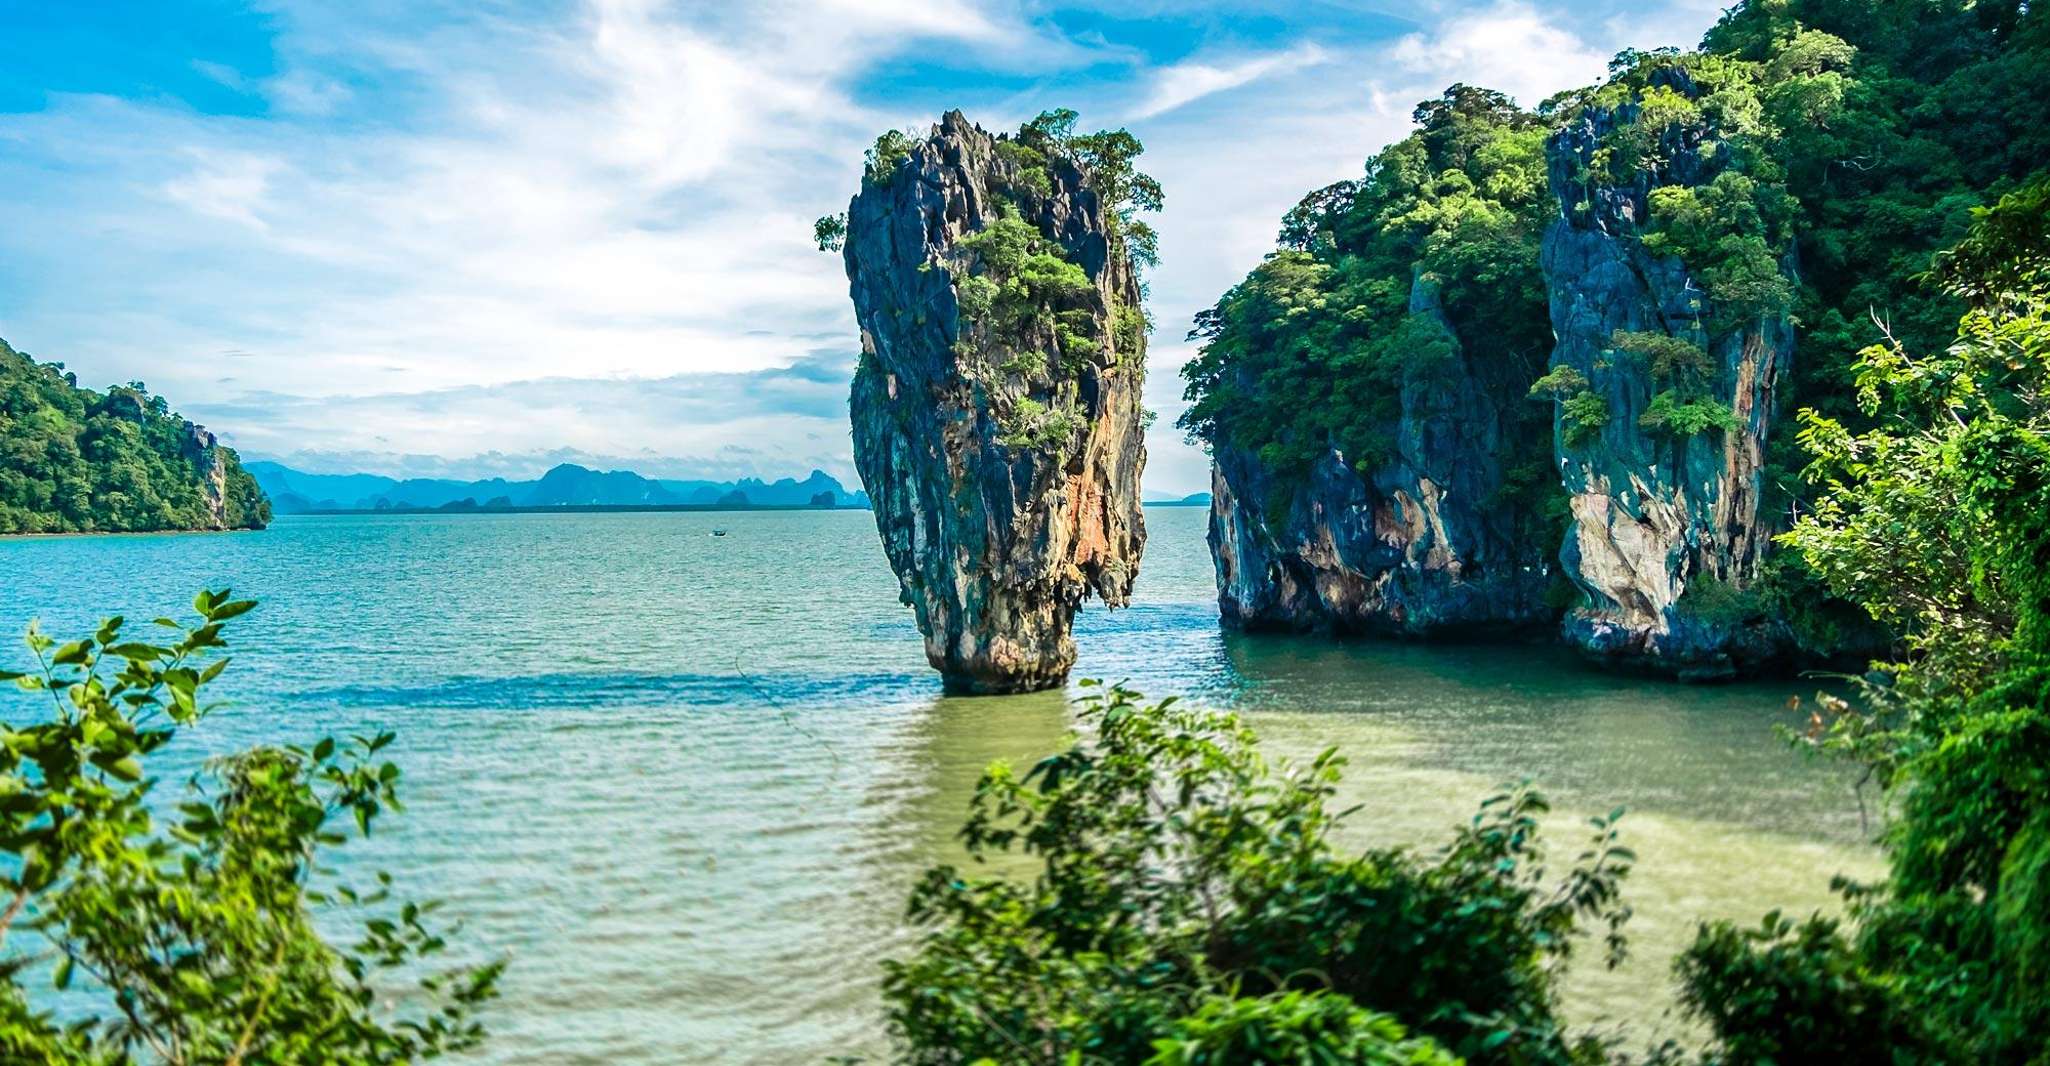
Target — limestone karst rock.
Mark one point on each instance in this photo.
(996, 409)
(1655, 509)
(1424, 544)
(210, 468)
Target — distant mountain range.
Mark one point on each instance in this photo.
(296, 492)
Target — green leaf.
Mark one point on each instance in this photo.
(230, 610)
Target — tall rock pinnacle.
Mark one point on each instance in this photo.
(996, 409)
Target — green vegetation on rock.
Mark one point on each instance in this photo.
(1461, 204)
(1807, 166)
(73, 460)
(1016, 286)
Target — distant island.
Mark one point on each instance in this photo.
(565, 487)
(73, 460)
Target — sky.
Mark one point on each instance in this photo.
(479, 237)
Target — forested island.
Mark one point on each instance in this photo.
(1567, 357)
(119, 461)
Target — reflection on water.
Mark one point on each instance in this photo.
(685, 781)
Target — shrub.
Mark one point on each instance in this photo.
(1784, 992)
(197, 940)
(1032, 424)
(1671, 358)
(1175, 873)
(889, 152)
(1291, 1028)
(1685, 418)
(1582, 416)
(830, 232)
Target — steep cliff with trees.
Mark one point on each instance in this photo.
(1672, 279)
(1712, 236)
(996, 408)
(1414, 495)
(79, 461)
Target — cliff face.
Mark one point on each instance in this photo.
(229, 495)
(1655, 510)
(1425, 544)
(1001, 442)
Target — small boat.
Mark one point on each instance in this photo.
(718, 532)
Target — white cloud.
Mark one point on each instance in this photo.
(1510, 47)
(1192, 80)
(569, 214)
(225, 184)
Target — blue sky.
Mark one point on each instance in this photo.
(477, 238)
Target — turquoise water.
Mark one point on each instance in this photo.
(683, 781)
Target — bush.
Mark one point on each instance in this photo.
(1176, 873)
(1295, 1029)
(889, 152)
(1582, 416)
(1686, 418)
(197, 940)
(1797, 993)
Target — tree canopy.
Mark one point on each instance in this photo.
(74, 460)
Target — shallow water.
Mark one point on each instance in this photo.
(684, 781)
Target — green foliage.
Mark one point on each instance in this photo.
(1730, 232)
(889, 152)
(1032, 424)
(1937, 520)
(73, 460)
(1456, 210)
(1017, 287)
(1109, 158)
(1559, 382)
(1031, 164)
(1719, 603)
(1673, 360)
(1291, 1028)
(1582, 416)
(1180, 884)
(1786, 992)
(830, 232)
(1129, 326)
(1685, 418)
(195, 937)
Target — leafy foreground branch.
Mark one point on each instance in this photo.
(1189, 907)
(1936, 519)
(191, 941)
